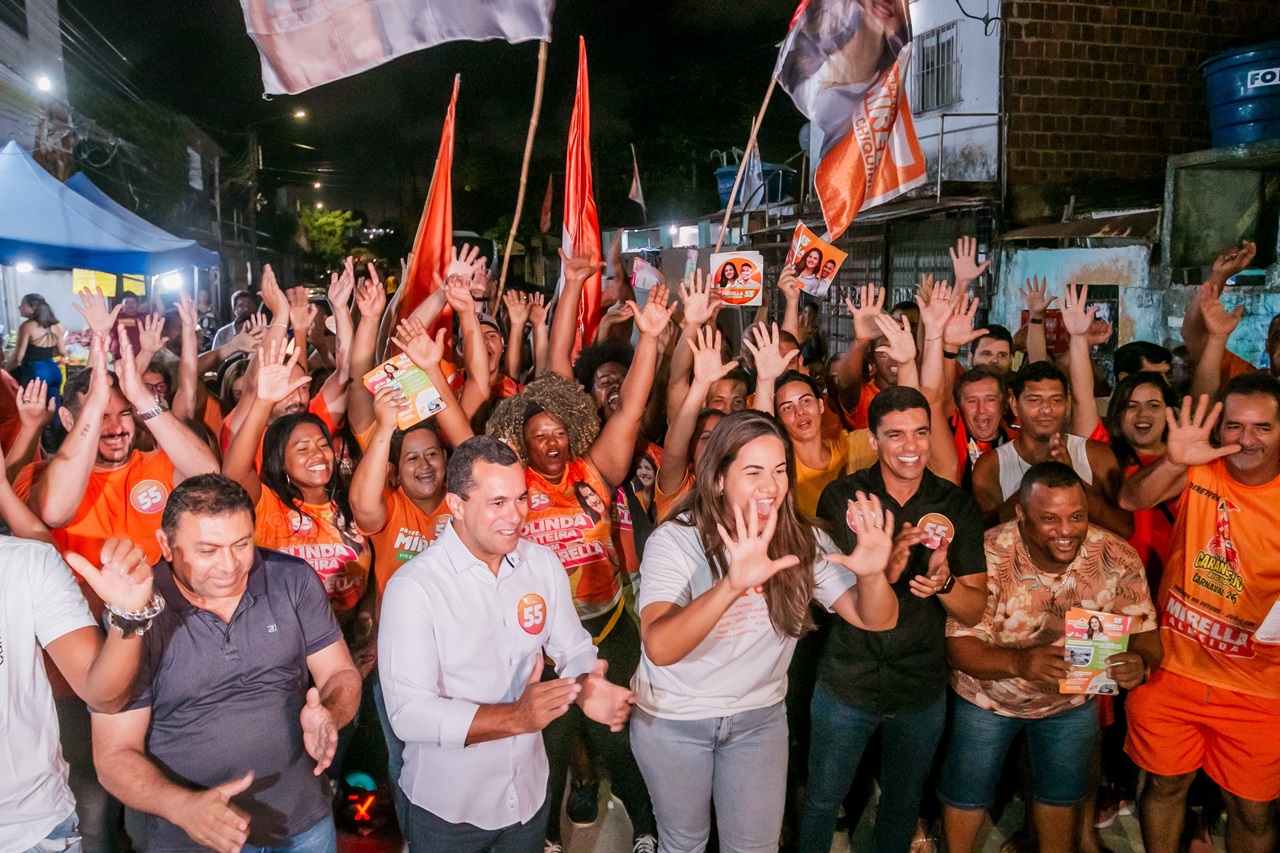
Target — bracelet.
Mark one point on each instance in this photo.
(153, 413)
(938, 338)
(274, 325)
(1036, 321)
(130, 622)
(950, 355)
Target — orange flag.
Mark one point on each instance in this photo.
(544, 224)
(432, 247)
(581, 234)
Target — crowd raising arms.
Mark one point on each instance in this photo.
(773, 489)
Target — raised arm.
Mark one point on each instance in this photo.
(613, 448)
(150, 337)
(699, 305)
(677, 451)
(964, 264)
(1188, 443)
(541, 334)
(23, 523)
(517, 303)
(1077, 319)
(789, 285)
(341, 287)
(367, 491)
(427, 352)
(189, 454)
(475, 392)
(770, 363)
(248, 339)
(871, 604)
(1038, 304)
(1219, 323)
(1232, 261)
(188, 394)
(851, 368)
(277, 332)
(272, 384)
(564, 327)
(35, 412)
(371, 301)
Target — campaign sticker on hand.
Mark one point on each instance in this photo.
(149, 496)
(936, 527)
(531, 613)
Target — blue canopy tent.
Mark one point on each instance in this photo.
(48, 224)
(201, 257)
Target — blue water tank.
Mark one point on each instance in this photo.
(781, 183)
(1243, 94)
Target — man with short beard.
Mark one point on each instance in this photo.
(1038, 397)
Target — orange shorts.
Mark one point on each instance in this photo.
(1178, 725)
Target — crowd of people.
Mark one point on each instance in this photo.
(747, 582)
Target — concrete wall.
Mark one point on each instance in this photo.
(22, 60)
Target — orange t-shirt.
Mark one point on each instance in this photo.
(126, 502)
(1221, 582)
(868, 393)
(1233, 366)
(317, 407)
(562, 518)
(406, 534)
(500, 388)
(664, 503)
(341, 558)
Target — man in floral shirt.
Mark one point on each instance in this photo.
(1006, 669)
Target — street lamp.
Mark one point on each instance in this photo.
(316, 185)
(319, 205)
(44, 84)
(299, 113)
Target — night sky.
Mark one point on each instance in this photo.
(677, 79)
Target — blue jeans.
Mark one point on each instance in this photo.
(395, 757)
(739, 763)
(321, 838)
(427, 833)
(63, 838)
(840, 735)
(1060, 748)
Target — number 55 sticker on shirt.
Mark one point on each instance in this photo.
(531, 613)
(149, 496)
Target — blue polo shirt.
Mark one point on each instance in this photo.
(225, 697)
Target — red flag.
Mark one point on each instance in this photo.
(581, 234)
(545, 223)
(432, 247)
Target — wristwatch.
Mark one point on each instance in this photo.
(159, 410)
(130, 622)
(948, 586)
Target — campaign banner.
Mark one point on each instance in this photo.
(307, 43)
(844, 64)
(738, 277)
(1091, 638)
(424, 398)
(814, 261)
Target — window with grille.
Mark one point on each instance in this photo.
(937, 69)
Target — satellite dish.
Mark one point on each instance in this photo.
(804, 135)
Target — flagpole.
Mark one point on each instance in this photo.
(737, 181)
(524, 172)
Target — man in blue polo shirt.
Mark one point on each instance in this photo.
(224, 746)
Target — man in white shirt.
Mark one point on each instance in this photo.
(41, 608)
(464, 629)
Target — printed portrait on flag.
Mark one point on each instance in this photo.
(843, 63)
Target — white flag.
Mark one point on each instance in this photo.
(306, 43)
(637, 194)
(751, 194)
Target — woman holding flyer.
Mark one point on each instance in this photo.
(720, 614)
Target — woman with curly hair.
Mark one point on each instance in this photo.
(573, 469)
(720, 614)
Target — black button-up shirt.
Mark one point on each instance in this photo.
(902, 670)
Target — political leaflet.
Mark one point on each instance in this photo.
(813, 261)
(738, 277)
(424, 398)
(1091, 638)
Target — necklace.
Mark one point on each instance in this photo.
(1067, 575)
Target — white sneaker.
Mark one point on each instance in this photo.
(551, 847)
(644, 844)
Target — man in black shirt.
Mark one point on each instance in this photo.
(895, 680)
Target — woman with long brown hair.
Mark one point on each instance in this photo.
(720, 614)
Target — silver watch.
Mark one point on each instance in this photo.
(159, 410)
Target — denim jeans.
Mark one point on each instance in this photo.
(395, 757)
(1059, 746)
(427, 833)
(840, 735)
(321, 838)
(739, 763)
(63, 838)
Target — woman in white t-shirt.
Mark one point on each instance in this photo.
(720, 615)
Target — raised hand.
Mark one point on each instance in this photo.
(538, 310)
(250, 334)
(706, 357)
(1233, 260)
(1036, 297)
(210, 819)
(959, 329)
(870, 304)
(272, 296)
(93, 308)
(465, 262)
(301, 312)
(150, 337)
(789, 284)
(371, 296)
(99, 380)
(188, 314)
(319, 734)
(603, 701)
(900, 343)
(275, 373)
(874, 526)
(35, 409)
(699, 300)
(578, 270)
(656, 313)
(935, 301)
(1188, 441)
(1099, 333)
(129, 377)
(1218, 320)
(457, 293)
(517, 303)
(1076, 318)
(964, 263)
(543, 701)
(423, 350)
(388, 403)
(749, 562)
(767, 352)
(341, 286)
(124, 578)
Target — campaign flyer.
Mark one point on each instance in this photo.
(399, 370)
(1091, 638)
(738, 277)
(813, 261)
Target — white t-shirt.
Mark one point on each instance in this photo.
(742, 664)
(39, 602)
